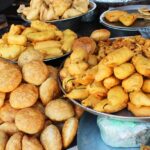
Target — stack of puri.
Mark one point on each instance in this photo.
(32, 116)
(109, 76)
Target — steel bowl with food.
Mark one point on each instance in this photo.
(110, 78)
(46, 39)
(70, 17)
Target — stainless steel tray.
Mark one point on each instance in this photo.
(121, 115)
(140, 23)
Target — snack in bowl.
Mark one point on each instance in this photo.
(26, 108)
(45, 38)
(118, 79)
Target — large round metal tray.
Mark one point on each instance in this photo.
(121, 115)
(140, 23)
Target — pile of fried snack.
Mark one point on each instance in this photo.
(127, 19)
(47, 10)
(110, 75)
(45, 38)
(32, 116)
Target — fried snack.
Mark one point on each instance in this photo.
(78, 111)
(15, 142)
(51, 138)
(118, 57)
(49, 90)
(8, 74)
(127, 19)
(59, 110)
(35, 72)
(9, 128)
(24, 96)
(140, 99)
(2, 99)
(40, 107)
(113, 16)
(139, 111)
(142, 65)
(46, 44)
(81, 5)
(124, 70)
(92, 60)
(11, 51)
(7, 113)
(3, 140)
(91, 101)
(110, 82)
(17, 40)
(32, 13)
(60, 6)
(68, 40)
(85, 43)
(97, 88)
(146, 86)
(29, 55)
(31, 143)
(68, 84)
(133, 83)
(29, 120)
(78, 93)
(71, 12)
(28, 30)
(103, 72)
(42, 26)
(100, 35)
(41, 36)
(67, 136)
(53, 72)
(16, 29)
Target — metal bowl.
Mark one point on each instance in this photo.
(70, 23)
(121, 115)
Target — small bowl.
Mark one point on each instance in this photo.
(69, 23)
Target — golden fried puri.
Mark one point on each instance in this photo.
(85, 43)
(24, 96)
(3, 140)
(35, 72)
(142, 65)
(28, 30)
(2, 99)
(10, 76)
(31, 143)
(100, 35)
(7, 112)
(29, 55)
(51, 138)
(29, 120)
(59, 110)
(67, 136)
(146, 86)
(118, 57)
(15, 142)
(92, 60)
(133, 83)
(49, 90)
(124, 70)
(113, 16)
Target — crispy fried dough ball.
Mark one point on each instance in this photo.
(29, 120)
(24, 96)
(35, 72)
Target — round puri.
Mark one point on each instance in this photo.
(24, 96)
(29, 120)
(35, 72)
(29, 55)
(59, 110)
(10, 76)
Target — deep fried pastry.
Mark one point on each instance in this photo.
(113, 16)
(133, 83)
(2, 99)
(28, 30)
(29, 120)
(35, 72)
(24, 96)
(146, 86)
(3, 140)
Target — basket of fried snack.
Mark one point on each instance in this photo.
(109, 76)
(32, 116)
(45, 38)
